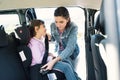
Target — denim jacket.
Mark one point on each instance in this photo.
(69, 41)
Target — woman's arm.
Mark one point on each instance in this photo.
(49, 36)
(71, 43)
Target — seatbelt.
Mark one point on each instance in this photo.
(44, 61)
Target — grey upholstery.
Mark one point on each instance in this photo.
(99, 65)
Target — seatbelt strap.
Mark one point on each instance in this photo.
(44, 61)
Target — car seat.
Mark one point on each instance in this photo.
(99, 65)
(26, 54)
(24, 51)
(10, 63)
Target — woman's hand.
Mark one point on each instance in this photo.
(49, 36)
(51, 63)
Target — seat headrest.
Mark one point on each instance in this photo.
(99, 23)
(23, 33)
(3, 37)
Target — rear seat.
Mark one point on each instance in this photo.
(11, 67)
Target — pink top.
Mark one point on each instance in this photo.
(37, 47)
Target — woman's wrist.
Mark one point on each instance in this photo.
(57, 59)
(53, 57)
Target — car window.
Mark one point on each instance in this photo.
(9, 21)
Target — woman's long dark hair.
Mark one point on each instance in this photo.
(62, 11)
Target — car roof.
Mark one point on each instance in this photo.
(15, 4)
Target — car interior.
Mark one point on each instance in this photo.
(98, 36)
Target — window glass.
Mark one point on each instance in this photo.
(96, 15)
(9, 21)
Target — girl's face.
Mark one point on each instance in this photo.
(61, 22)
(40, 31)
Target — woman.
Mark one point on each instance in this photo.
(64, 32)
(36, 44)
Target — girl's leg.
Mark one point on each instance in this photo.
(34, 73)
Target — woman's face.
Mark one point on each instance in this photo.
(61, 22)
(40, 31)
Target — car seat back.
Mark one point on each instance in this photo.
(11, 67)
(99, 65)
(23, 50)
